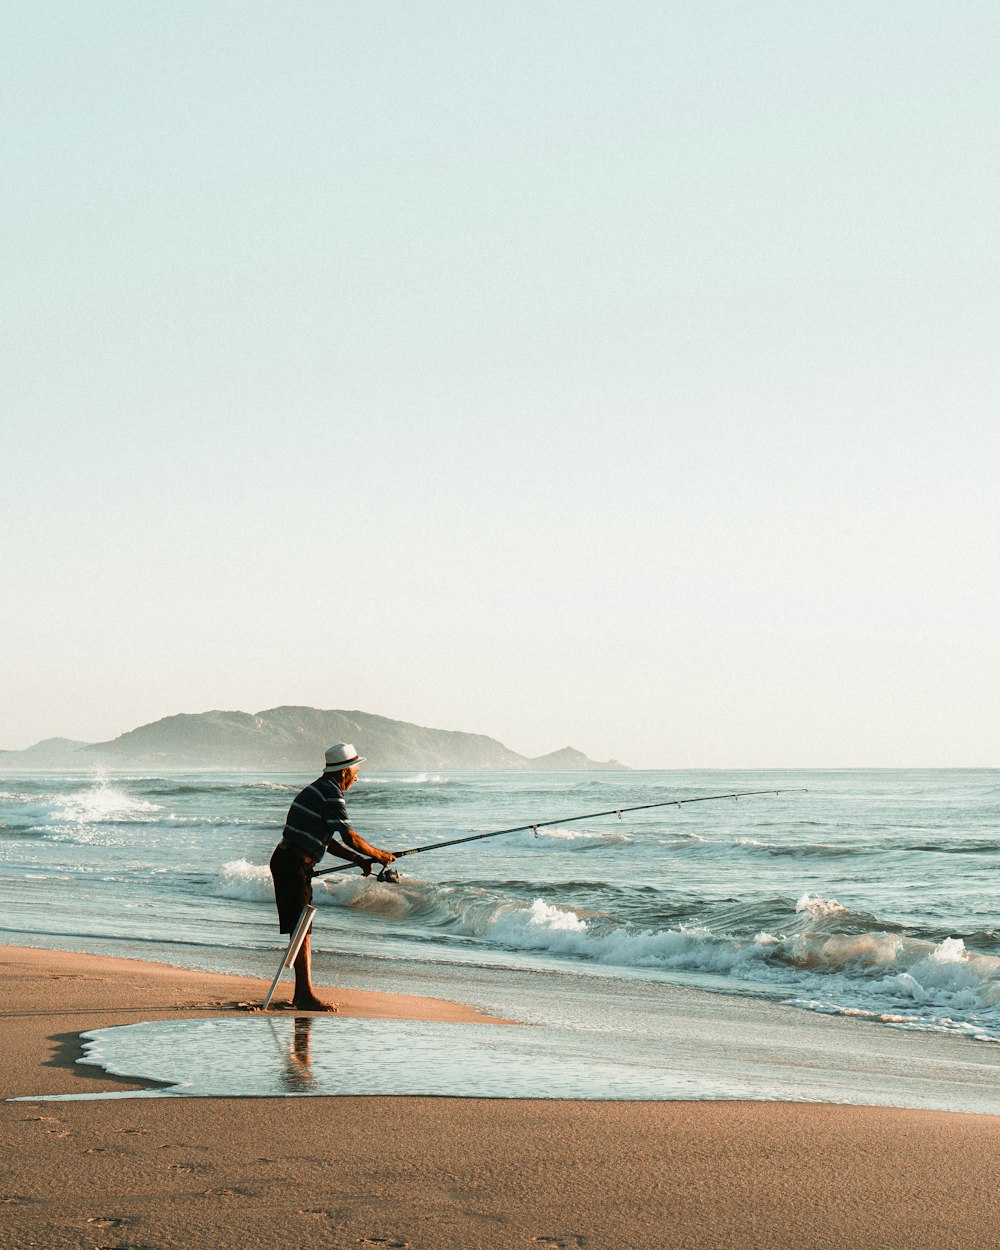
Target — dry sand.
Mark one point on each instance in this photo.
(441, 1174)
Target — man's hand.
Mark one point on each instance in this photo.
(366, 866)
(360, 847)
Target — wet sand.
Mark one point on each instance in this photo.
(440, 1174)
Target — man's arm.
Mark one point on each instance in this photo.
(335, 848)
(356, 841)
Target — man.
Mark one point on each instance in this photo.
(316, 819)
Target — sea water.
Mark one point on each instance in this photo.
(870, 896)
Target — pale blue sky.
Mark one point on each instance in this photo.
(619, 374)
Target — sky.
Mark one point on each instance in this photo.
(621, 375)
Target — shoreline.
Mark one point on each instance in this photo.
(83, 992)
(441, 1173)
(709, 1045)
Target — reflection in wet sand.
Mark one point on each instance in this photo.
(297, 1077)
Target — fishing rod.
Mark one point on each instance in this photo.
(388, 874)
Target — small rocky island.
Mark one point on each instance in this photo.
(290, 739)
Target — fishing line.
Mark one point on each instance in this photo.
(384, 875)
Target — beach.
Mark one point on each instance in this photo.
(764, 1024)
(155, 1173)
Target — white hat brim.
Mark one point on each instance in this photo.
(337, 768)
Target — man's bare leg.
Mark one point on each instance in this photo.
(304, 997)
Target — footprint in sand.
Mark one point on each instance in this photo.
(51, 1120)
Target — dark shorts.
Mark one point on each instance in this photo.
(292, 885)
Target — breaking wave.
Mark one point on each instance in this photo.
(890, 977)
(103, 804)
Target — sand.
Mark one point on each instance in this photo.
(441, 1174)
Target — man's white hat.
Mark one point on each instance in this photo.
(341, 755)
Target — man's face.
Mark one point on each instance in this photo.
(348, 777)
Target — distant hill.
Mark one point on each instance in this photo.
(570, 757)
(50, 753)
(289, 739)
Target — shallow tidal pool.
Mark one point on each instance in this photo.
(267, 1057)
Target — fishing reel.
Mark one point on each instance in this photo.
(388, 874)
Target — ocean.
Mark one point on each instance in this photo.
(709, 941)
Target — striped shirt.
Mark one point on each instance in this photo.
(316, 818)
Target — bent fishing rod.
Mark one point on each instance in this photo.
(388, 874)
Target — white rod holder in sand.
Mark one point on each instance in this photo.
(299, 935)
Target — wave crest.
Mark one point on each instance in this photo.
(103, 804)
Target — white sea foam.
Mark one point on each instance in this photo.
(683, 948)
(583, 835)
(241, 879)
(945, 976)
(555, 838)
(820, 907)
(103, 804)
(903, 981)
(418, 779)
(559, 919)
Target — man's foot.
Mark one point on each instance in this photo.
(309, 1002)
